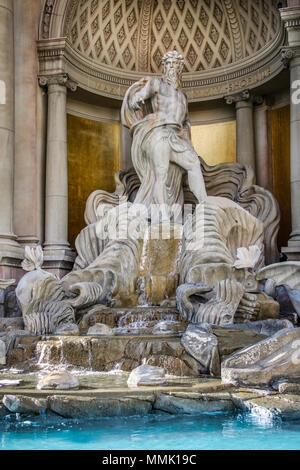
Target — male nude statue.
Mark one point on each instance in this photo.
(156, 111)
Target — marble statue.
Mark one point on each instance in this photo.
(156, 111)
(214, 255)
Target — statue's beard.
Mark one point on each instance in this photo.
(173, 77)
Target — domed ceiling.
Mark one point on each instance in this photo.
(133, 35)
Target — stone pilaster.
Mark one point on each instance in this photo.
(291, 58)
(58, 256)
(245, 146)
(10, 251)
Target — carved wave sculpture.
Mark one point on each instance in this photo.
(228, 303)
(213, 235)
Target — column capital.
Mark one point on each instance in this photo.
(288, 54)
(61, 79)
(290, 17)
(244, 96)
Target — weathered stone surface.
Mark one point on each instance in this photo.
(158, 273)
(98, 314)
(9, 307)
(142, 320)
(210, 344)
(167, 328)
(289, 387)
(100, 329)
(287, 407)
(269, 308)
(96, 353)
(146, 375)
(167, 353)
(59, 381)
(103, 353)
(266, 327)
(8, 324)
(2, 353)
(24, 404)
(233, 339)
(183, 366)
(270, 359)
(178, 404)
(22, 349)
(202, 344)
(67, 329)
(79, 407)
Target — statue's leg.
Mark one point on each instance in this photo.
(190, 162)
(160, 154)
(160, 158)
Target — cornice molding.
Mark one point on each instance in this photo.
(58, 56)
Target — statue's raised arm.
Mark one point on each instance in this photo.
(156, 111)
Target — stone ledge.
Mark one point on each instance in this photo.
(124, 402)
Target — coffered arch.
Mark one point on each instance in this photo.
(121, 40)
(134, 34)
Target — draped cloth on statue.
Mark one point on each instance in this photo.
(147, 130)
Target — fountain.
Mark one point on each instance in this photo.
(176, 276)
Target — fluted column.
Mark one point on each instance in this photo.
(29, 160)
(291, 58)
(245, 146)
(10, 252)
(6, 121)
(56, 245)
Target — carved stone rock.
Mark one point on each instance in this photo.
(58, 381)
(269, 360)
(146, 375)
(22, 404)
(210, 344)
(67, 329)
(100, 329)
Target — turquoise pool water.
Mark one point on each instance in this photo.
(163, 432)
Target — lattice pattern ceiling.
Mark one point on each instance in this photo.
(134, 34)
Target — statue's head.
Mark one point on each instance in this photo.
(173, 63)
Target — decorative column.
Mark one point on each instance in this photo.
(291, 58)
(58, 255)
(245, 147)
(28, 174)
(262, 146)
(10, 252)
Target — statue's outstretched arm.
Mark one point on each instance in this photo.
(149, 89)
